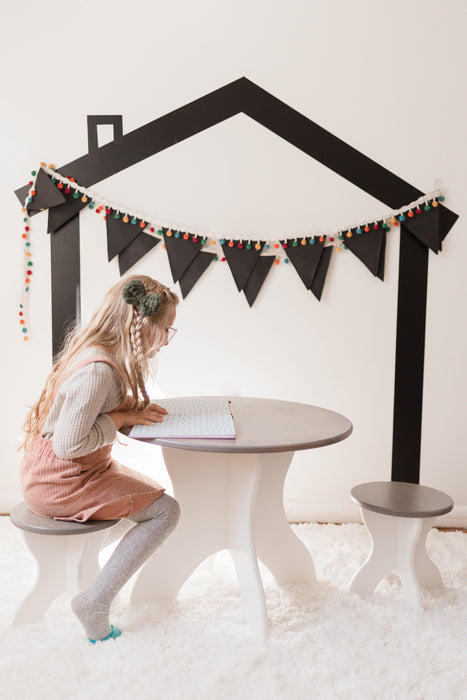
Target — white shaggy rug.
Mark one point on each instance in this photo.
(323, 643)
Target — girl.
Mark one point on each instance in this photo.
(95, 388)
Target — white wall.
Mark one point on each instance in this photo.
(384, 78)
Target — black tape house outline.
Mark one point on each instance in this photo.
(244, 96)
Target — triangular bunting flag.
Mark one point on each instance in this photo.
(119, 234)
(369, 247)
(181, 252)
(62, 213)
(320, 276)
(192, 274)
(141, 245)
(241, 260)
(47, 194)
(257, 277)
(305, 258)
(425, 227)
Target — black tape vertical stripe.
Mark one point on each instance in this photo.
(65, 280)
(410, 353)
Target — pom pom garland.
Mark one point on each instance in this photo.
(150, 304)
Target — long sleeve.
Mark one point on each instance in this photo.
(79, 425)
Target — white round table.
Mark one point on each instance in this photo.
(231, 496)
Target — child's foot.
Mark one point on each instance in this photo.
(114, 633)
(94, 619)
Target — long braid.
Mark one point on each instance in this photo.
(138, 352)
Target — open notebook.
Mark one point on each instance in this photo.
(190, 418)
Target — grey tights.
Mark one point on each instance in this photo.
(154, 524)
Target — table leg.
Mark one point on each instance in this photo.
(216, 493)
(244, 479)
(200, 484)
(277, 546)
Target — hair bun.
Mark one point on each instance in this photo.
(133, 292)
(150, 304)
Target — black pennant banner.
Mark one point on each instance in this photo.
(305, 257)
(370, 248)
(256, 279)
(321, 272)
(47, 195)
(138, 247)
(241, 261)
(426, 219)
(61, 214)
(180, 251)
(426, 228)
(192, 274)
(119, 234)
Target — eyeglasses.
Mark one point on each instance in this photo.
(170, 330)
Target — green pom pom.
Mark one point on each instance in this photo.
(133, 292)
(150, 304)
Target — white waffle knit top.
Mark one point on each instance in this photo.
(78, 423)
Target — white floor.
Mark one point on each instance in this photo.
(324, 643)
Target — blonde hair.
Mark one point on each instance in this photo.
(120, 329)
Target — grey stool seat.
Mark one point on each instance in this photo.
(66, 554)
(398, 516)
(402, 499)
(25, 519)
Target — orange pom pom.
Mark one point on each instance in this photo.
(60, 185)
(276, 261)
(169, 233)
(143, 224)
(434, 203)
(258, 246)
(303, 241)
(84, 198)
(231, 244)
(126, 219)
(42, 164)
(163, 246)
(51, 166)
(276, 245)
(349, 234)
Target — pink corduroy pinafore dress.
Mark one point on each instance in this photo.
(93, 486)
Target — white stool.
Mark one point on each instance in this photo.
(398, 516)
(66, 553)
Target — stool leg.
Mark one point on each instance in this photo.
(82, 562)
(50, 581)
(409, 531)
(427, 573)
(383, 553)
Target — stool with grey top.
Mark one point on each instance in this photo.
(66, 553)
(398, 516)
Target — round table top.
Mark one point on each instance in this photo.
(402, 499)
(269, 425)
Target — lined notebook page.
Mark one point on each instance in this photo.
(190, 418)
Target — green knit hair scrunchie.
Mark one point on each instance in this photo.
(147, 304)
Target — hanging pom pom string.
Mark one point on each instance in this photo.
(336, 237)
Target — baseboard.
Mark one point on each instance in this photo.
(312, 512)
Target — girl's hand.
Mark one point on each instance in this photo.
(146, 416)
